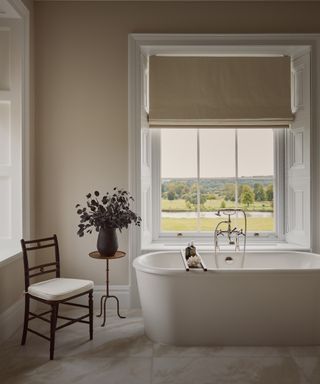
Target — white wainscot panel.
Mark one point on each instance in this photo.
(4, 59)
(5, 207)
(299, 210)
(145, 150)
(298, 88)
(146, 220)
(5, 135)
(298, 206)
(298, 149)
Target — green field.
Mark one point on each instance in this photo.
(180, 205)
(255, 224)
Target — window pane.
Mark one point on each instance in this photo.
(256, 178)
(178, 180)
(217, 174)
(217, 171)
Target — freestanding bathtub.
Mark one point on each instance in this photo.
(267, 298)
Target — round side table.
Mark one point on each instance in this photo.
(104, 298)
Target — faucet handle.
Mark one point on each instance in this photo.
(241, 233)
(220, 233)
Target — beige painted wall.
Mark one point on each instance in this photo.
(82, 92)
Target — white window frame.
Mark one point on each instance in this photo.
(205, 237)
(143, 45)
(17, 13)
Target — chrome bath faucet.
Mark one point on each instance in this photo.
(232, 234)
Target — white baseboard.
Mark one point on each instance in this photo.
(11, 319)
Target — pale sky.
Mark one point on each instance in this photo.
(217, 152)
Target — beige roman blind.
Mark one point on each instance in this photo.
(219, 91)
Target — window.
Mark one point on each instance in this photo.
(290, 215)
(204, 170)
(14, 131)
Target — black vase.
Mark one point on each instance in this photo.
(107, 243)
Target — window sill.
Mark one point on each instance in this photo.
(263, 246)
(9, 255)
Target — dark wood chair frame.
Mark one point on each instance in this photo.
(42, 269)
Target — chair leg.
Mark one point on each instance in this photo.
(53, 325)
(26, 319)
(90, 315)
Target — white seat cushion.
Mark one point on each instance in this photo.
(59, 288)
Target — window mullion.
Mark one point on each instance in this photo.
(198, 180)
(236, 196)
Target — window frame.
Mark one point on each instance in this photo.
(10, 249)
(159, 236)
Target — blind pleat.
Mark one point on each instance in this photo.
(228, 91)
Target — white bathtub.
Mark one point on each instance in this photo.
(269, 298)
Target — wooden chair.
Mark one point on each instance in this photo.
(53, 292)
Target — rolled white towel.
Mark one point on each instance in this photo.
(194, 262)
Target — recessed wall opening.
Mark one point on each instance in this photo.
(198, 158)
(263, 165)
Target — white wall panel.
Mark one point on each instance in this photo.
(5, 207)
(4, 59)
(298, 160)
(298, 157)
(5, 133)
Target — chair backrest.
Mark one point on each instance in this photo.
(41, 269)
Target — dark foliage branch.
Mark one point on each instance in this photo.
(109, 211)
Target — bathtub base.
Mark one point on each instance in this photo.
(238, 310)
(236, 307)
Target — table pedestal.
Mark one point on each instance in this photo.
(104, 298)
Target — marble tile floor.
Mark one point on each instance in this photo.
(121, 354)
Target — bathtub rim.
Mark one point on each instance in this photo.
(142, 267)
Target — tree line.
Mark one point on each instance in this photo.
(248, 193)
